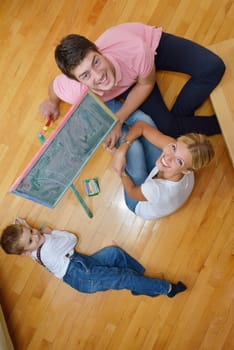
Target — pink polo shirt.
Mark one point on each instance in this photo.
(130, 47)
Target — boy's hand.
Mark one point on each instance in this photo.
(46, 230)
(20, 221)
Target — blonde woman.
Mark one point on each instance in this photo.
(157, 171)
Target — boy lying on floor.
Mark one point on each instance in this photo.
(109, 268)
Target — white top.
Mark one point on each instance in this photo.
(54, 250)
(163, 196)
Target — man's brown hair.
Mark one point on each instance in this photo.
(71, 51)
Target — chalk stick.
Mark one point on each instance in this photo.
(41, 138)
(41, 226)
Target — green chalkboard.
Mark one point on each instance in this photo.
(63, 156)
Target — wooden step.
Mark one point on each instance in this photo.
(222, 97)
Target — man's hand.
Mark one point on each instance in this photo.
(113, 136)
(119, 162)
(49, 108)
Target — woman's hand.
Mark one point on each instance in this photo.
(119, 161)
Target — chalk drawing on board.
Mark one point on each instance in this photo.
(55, 167)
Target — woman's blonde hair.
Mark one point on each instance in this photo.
(201, 149)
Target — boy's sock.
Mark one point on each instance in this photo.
(176, 288)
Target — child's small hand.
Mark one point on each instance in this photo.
(20, 221)
(46, 230)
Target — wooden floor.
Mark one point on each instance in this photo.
(194, 245)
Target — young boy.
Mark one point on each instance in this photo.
(109, 268)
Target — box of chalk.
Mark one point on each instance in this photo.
(91, 187)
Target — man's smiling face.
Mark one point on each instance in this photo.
(96, 72)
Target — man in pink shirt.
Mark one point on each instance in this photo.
(122, 63)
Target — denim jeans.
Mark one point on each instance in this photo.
(111, 268)
(205, 69)
(142, 154)
(140, 160)
(114, 105)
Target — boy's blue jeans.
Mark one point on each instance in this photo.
(111, 268)
(142, 154)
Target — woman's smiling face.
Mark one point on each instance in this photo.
(174, 161)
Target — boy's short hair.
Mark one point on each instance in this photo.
(10, 239)
(71, 51)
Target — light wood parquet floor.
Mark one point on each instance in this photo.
(195, 244)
